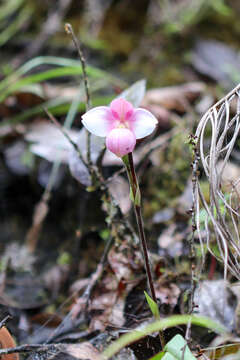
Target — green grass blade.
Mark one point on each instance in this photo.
(15, 25)
(59, 106)
(9, 7)
(73, 66)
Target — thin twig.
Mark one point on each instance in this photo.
(5, 320)
(69, 30)
(98, 273)
(192, 255)
(26, 348)
(63, 131)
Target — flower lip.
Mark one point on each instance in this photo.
(121, 141)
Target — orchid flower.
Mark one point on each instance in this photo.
(121, 124)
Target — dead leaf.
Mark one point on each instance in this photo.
(83, 351)
(13, 155)
(171, 239)
(119, 189)
(216, 300)
(168, 294)
(163, 115)
(49, 142)
(221, 346)
(125, 261)
(174, 97)
(79, 285)
(108, 298)
(218, 61)
(52, 91)
(7, 341)
(77, 168)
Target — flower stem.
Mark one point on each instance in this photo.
(142, 236)
(136, 198)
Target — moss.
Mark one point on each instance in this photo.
(167, 181)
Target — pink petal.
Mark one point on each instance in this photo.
(121, 109)
(142, 123)
(120, 141)
(98, 121)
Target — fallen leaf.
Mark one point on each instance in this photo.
(174, 97)
(77, 168)
(119, 188)
(218, 61)
(13, 155)
(171, 240)
(168, 294)
(49, 142)
(83, 351)
(216, 300)
(125, 261)
(7, 341)
(163, 115)
(108, 298)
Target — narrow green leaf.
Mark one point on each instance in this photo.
(158, 356)
(63, 67)
(153, 306)
(14, 26)
(8, 8)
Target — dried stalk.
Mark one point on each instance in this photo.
(69, 30)
(222, 122)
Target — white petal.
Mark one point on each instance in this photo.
(144, 123)
(98, 120)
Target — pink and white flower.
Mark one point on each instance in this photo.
(121, 124)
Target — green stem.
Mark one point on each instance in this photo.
(136, 198)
